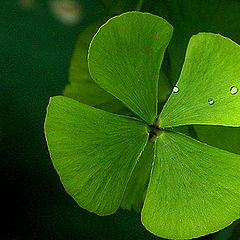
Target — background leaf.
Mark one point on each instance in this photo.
(120, 5)
(131, 73)
(82, 88)
(227, 138)
(136, 189)
(210, 71)
(93, 151)
(194, 188)
(191, 17)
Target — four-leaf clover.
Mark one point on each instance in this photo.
(194, 188)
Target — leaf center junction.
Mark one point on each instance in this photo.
(154, 132)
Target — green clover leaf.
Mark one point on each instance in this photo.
(132, 76)
(82, 88)
(194, 188)
(105, 160)
(94, 152)
(208, 84)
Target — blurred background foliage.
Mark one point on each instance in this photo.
(37, 38)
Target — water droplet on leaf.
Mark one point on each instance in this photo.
(233, 90)
(175, 89)
(210, 101)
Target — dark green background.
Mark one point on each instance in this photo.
(34, 61)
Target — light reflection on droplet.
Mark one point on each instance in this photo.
(210, 101)
(233, 90)
(175, 89)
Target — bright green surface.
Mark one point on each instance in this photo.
(194, 188)
(210, 69)
(131, 73)
(137, 185)
(93, 151)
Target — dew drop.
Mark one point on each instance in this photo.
(210, 101)
(233, 90)
(175, 89)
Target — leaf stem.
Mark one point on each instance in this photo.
(139, 5)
